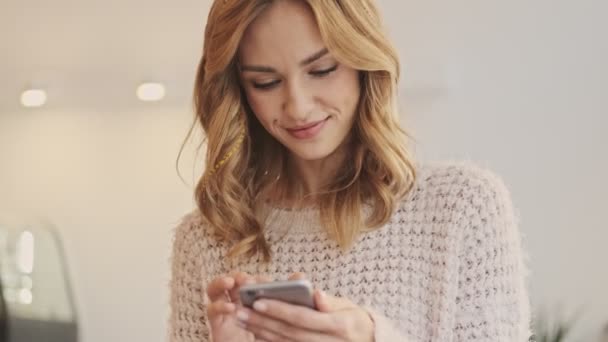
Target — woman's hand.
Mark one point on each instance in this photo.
(337, 320)
(221, 311)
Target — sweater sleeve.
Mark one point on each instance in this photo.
(187, 319)
(492, 302)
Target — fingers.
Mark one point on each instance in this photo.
(270, 329)
(321, 302)
(295, 315)
(230, 284)
(227, 286)
(220, 307)
(297, 276)
(326, 303)
(263, 279)
(265, 335)
(217, 287)
(242, 278)
(223, 295)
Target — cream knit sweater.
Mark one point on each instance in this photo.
(447, 267)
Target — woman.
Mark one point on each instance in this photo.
(309, 177)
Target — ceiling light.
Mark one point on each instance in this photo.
(151, 91)
(25, 252)
(33, 98)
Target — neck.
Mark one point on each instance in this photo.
(313, 175)
(305, 179)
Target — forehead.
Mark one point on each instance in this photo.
(285, 31)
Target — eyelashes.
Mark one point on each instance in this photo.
(267, 85)
(325, 72)
(315, 73)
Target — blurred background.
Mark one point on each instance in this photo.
(95, 100)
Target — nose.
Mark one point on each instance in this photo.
(299, 102)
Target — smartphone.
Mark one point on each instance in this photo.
(298, 292)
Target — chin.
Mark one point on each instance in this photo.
(310, 154)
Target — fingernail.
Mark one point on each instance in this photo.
(260, 306)
(241, 325)
(242, 316)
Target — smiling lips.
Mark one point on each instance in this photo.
(307, 131)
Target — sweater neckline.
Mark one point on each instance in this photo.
(293, 220)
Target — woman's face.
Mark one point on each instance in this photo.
(295, 87)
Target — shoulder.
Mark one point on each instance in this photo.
(190, 225)
(458, 198)
(189, 233)
(455, 177)
(474, 201)
(458, 185)
(193, 238)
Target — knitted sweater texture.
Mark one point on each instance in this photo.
(448, 266)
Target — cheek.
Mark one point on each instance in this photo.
(262, 107)
(345, 92)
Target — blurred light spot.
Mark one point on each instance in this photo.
(25, 296)
(25, 252)
(151, 91)
(33, 98)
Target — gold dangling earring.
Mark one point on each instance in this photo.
(235, 147)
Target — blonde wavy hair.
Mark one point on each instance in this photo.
(244, 162)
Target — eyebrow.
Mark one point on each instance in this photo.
(306, 61)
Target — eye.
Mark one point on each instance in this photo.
(266, 86)
(324, 72)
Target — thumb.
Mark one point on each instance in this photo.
(297, 276)
(327, 303)
(321, 302)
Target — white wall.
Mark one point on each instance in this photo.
(517, 86)
(520, 86)
(108, 182)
